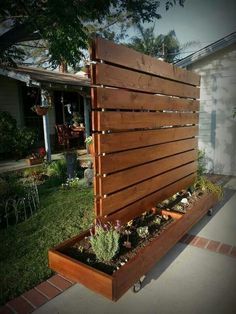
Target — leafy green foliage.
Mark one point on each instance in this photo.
(66, 28)
(142, 231)
(105, 242)
(165, 46)
(206, 185)
(57, 168)
(14, 141)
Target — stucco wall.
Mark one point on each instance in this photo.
(217, 133)
(10, 99)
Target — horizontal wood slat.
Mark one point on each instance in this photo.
(128, 140)
(113, 120)
(137, 208)
(121, 55)
(117, 77)
(129, 195)
(122, 160)
(145, 123)
(116, 98)
(123, 179)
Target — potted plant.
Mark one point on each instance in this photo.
(36, 157)
(77, 120)
(89, 144)
(40, 110)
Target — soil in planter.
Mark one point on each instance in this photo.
(155, 222)
(82, 250)
(174, 203)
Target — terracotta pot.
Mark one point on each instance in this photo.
(41, 111)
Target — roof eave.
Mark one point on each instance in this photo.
(208, 50)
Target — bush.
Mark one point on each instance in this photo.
(58, 169)
(14, 141)
(204, 184)
(105, 242)
(24, 139)
(7, 131)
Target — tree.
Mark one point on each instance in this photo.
(67, 25)
(165, 46)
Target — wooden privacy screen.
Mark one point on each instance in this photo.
(144, 130)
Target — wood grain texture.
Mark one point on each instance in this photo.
(150, 254)
(123, 179)
(113, 120)
(120, 55)
(108, 75)
(146, 203)
(116, 98)
(77, 271)
(123, 160)
(113, 287)
(114, 142)
(131, 194)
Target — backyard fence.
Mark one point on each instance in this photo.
(145, 123)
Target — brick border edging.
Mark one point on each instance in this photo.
(49, 289)
(39, 295)
(210, 245)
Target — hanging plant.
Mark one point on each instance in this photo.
(42, 110)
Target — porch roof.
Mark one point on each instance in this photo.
(36, 77)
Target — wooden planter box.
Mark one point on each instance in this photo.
(114, 286)
(34, 161)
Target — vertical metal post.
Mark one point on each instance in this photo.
(46, 131)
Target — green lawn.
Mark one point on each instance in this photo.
(23, 251)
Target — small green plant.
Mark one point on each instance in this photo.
(142, 231)
(157, 220)
(206, 185)
(105, 241)
(89, 140)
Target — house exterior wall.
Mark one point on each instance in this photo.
(10, 98)
(217, 132)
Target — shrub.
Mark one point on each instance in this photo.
(57, 168)
(204, 184)
(14, 141)
(7, 131)
(105, 242)
(24, 139)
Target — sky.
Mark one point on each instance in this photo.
(203, 21)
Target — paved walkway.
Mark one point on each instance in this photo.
(197, 276)
(14, 165)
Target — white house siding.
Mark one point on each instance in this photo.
(217, 134)
(10, 99)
